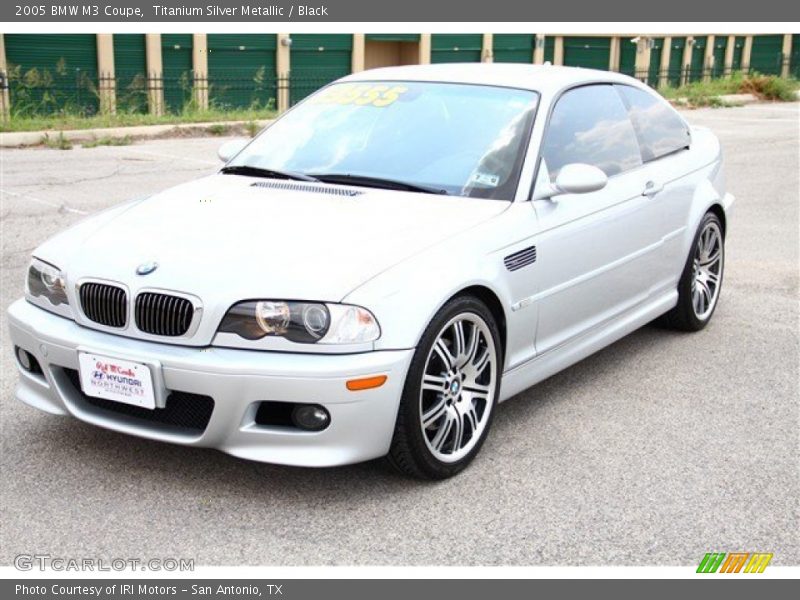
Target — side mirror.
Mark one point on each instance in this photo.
(230, 149)
(575, 178)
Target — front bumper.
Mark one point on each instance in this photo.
(361, 426)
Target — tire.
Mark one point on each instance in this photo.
(453, 387)
(698, 294)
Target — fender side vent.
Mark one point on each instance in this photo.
(293, 186)
(520, 259)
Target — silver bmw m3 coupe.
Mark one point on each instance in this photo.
(382, 266)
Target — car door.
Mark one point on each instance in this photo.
(664, 139)
(597, 250)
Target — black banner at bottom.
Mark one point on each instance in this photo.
(382, 589)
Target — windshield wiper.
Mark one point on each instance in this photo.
(377, 182)
(269, 173)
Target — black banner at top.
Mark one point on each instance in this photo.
(338, 11)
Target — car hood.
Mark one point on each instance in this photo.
(227, 238)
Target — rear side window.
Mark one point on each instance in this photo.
(659, 129)
(590, 125)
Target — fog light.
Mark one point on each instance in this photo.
(310, 417)
(26, 361)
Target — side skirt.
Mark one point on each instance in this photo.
(544, 365)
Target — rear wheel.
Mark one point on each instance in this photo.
(701, 280)
(450, 393)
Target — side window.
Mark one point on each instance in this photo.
(590, 125)
(659, 129)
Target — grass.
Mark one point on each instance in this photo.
(252, 128)
(218, 129)
(57, 143)
(108, 141)
(125, 119)
(707, 93)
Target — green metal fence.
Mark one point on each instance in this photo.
(41, 90)
(38, 91)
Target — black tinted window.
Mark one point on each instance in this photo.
(659, 129)
(590, 125)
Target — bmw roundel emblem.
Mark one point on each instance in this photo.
(146, 268)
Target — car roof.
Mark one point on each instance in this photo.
(545, 79)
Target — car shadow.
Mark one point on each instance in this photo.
(112, 455)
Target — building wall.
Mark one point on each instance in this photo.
(159, 72)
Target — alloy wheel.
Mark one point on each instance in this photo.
(707, 270)
(458, 387)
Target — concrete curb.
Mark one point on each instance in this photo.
(739, 98)
(18, 139)
(733, 99)
(730, 99)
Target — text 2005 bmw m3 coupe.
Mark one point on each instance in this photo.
(378, 269)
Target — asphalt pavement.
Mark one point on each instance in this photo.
(654, 451)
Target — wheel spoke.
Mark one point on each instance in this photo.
(458, 431)
(477, 389)
(710, 259)
(472, 347)
(433, 414)
(442, 434)
(697, 297)
(705, 294)
(459, 341)
(471, 416)
(434, 383)
(479, 364)
(444, 354)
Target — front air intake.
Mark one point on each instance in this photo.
(292, 186)
(163, 314)
(104, 304)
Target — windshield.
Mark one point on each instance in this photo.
(466, 140)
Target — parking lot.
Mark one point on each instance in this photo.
(656, 450)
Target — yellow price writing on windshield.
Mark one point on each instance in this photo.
(379, 95)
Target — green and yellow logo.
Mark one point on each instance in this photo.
(734, 562)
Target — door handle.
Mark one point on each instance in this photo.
(651, 188)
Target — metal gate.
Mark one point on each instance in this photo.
(318, 59)
(738, 52)
(676, 68)
(130, 72)
(654, 68)
(177, 75)
(513, 47)
(48, 73)
(720, 47)
(766, 57)
(241, 70)
(627, 56)
(589, 52)
(697, 65)
(454, 47)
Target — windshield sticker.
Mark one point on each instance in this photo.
(380, 95)
(486, 179)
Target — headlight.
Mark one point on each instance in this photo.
(46, 287)
(301, 322)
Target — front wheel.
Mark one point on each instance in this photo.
(701, 280)
(450, 393)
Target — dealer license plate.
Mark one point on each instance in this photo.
(115, 379)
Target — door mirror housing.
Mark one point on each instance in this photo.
(231, 148)
(575, 178)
